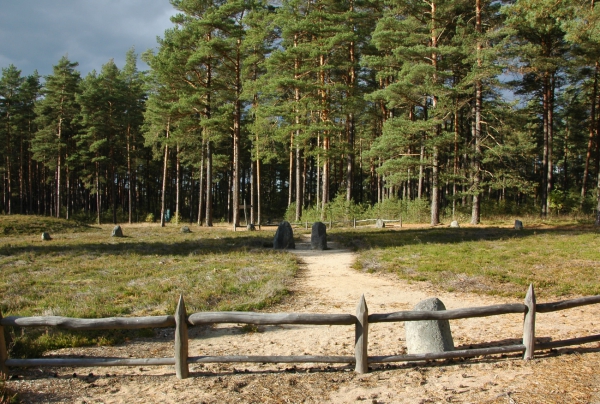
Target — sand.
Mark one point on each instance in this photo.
(327, 284)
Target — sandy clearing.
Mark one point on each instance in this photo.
(328, 284)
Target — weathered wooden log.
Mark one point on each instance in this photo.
(270, 318)
(3, 353)
(529, 324)
(271, 359)
(361, 339)
(109, 323)
(182, 370)
(90, 362)
(448, 314)
(462, 353)
(567, 304)
(568, 342)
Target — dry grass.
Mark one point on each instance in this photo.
(560, 260)
(85, 273)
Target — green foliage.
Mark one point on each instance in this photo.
(290, 213)
(415, 211)
(150, 218)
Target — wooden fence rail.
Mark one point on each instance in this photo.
(361, 320)
(349, 223)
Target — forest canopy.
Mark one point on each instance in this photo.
(252, 110)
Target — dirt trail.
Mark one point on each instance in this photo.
(328, 284)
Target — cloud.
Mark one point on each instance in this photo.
(36, 34)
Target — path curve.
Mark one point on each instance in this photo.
(327, 283)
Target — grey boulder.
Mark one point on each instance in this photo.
(117, 231)
(284, 237)
(318, 236)
(429, 336)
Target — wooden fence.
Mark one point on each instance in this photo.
(361, 321)
(346, 223)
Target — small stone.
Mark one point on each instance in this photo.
(185, 229)
(518, 225)
(46, 236)
(117, 231)
(380, 224)
(318, 236)
(454, 224)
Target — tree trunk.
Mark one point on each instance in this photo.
(475, 211)
(201, 185)
(177, 185)
(592, 135)
(209, 196)
(164, 182)
(435, 201)
(237, 118)
(130, 190)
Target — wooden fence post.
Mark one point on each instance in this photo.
(354, 222)
(181, 341)
(3, 353)
(361, 339)
(529, 324)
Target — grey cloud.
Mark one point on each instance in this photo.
(36, 34)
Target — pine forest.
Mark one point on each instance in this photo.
(253, 111)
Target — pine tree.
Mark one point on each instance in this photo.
(539, 48)
(55, 115)
(10, 105)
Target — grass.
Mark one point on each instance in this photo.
(16, 225)
(7, 396)
(85, 273)
(560, 260)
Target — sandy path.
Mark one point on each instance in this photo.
(328, 284)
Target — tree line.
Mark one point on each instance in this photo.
(256, 108)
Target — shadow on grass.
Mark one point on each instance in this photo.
(129, 245)
(364, 240)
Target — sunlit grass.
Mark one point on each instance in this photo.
(559, 260)
(90, 274)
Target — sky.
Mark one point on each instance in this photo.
(35, 34)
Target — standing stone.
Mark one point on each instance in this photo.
(518, 225)
(318, 236)
(454, 224)
(250, 227)
(46, 236)
(380, 224)
(117, 232)
(284, 237)
(429, 336)
(185, 229)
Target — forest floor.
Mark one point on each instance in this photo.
(327, 283)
